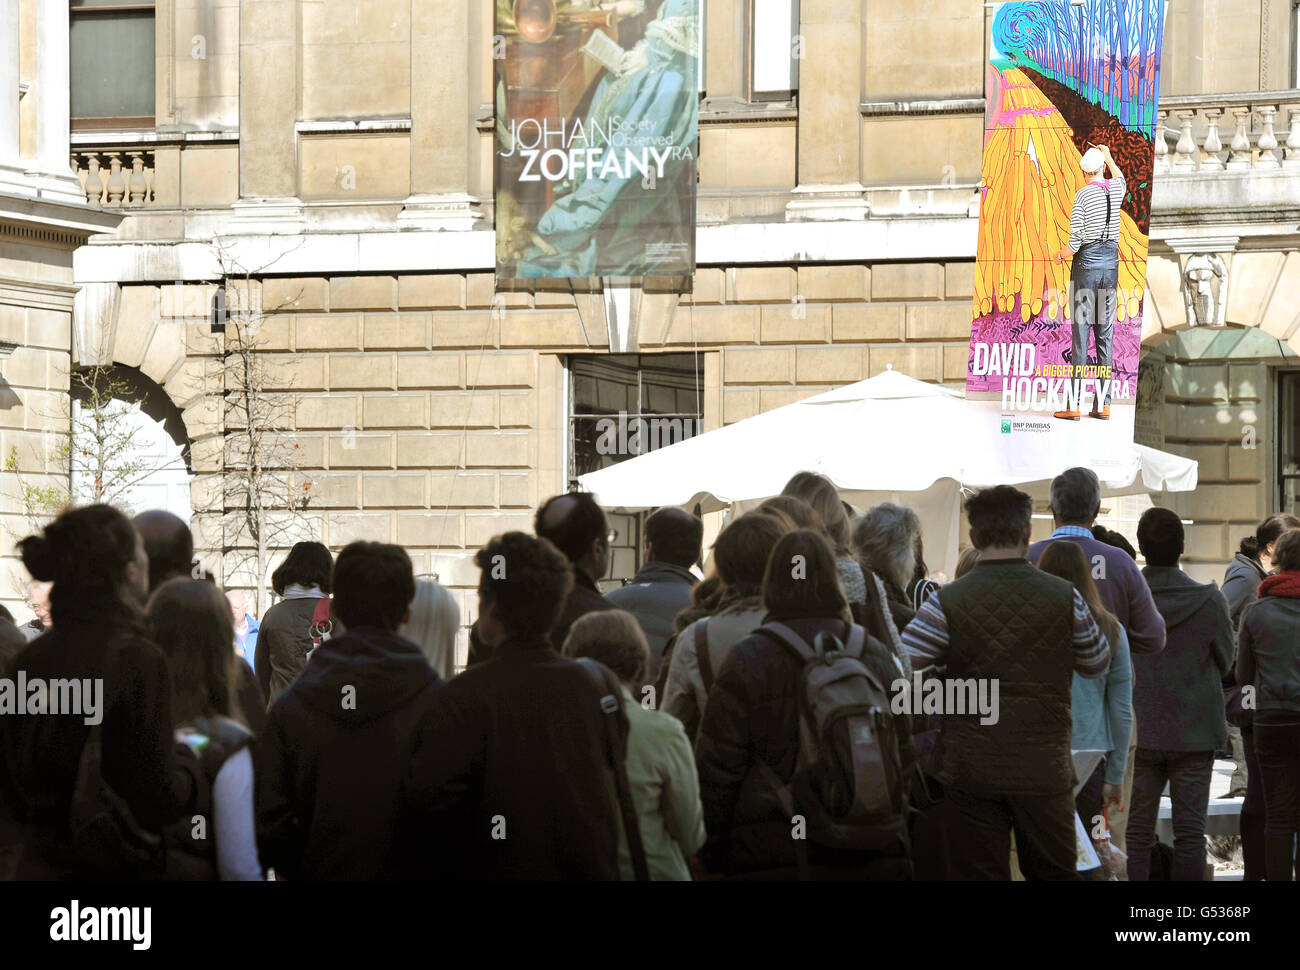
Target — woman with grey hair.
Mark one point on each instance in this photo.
(884, 540)
(432, 626)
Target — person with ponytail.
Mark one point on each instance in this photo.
(100, 572)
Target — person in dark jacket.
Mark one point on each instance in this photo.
(1268, 658)
(1178, 703)
(11, 638)
(1240, 583)
(510, 776)
(99, 569)
(750, 736)
(662, 587)
(1009, 624)
(284, 640)
(338, 744)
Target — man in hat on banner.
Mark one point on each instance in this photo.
(1094, 276)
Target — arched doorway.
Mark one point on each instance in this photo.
(129, 445)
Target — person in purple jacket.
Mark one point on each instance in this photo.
(1076, 500)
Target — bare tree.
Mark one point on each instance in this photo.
(264, 494)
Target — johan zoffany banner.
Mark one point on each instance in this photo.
(596, 137)
(1060, 276)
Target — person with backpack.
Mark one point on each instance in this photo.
(804, 766)
(57, 770)
(190, 621)
(1006, 622)
(660, 765)
(740, 556)
(337, 746)
(510, 778)
(284, 639)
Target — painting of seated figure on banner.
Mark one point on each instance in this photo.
(1065, 204)
(597, 113)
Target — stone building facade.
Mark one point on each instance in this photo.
(331, 162)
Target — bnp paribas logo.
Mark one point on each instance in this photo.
(1006, 426)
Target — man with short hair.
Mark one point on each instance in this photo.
(1076, 500)
(1178, 700)
(38, 598)
(662, 587)
(338, 743)
(576, 525)
(168, 543)
(509, 775)
(1006, 622)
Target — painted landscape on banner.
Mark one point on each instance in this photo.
(1056, 318)
(597, 116)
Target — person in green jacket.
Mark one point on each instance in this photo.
(660, 764)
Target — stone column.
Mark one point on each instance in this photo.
(829, 151)
(50, 172)
(723, 52)
(270, 46)
(442, 118)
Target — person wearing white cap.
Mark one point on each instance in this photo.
(1094, 273)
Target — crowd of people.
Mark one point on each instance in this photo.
(757, 718)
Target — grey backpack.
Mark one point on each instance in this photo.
(848, 780)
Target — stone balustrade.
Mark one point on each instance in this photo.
(1258, 131)
(116, 178)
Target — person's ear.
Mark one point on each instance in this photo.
(406, 617)
(971, 535)
(1029, 533)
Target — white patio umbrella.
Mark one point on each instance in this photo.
(888, 438)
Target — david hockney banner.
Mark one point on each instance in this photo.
(1065, 206)
(597, 111)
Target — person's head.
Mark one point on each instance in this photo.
(1267, 532)
(1160, 537)
(673, 535)
(373, 586)
(190, 621)
(796, 511)
(523, 583)
(741, 552)
(1076, 497)
(1249, 547)
(168, 544)
(38, 597)
(1000, 518)
(238, 605)
(818, 492)
(432, 626)
(802, 578)
(5, 615)
(920, 571)
(308, 564)
(966, 562)
(576, 525)
(1092, 161)
(1113, 538)
(614, 638)
(885, 539)
(1067, 560)
(96, 562)
(1286, 551)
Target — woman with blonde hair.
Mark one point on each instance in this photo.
(432, 626)
(660, 763)
(819, 492)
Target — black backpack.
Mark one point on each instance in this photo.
(848, 782)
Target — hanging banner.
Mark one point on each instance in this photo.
(597, 112)
(1060, 277)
